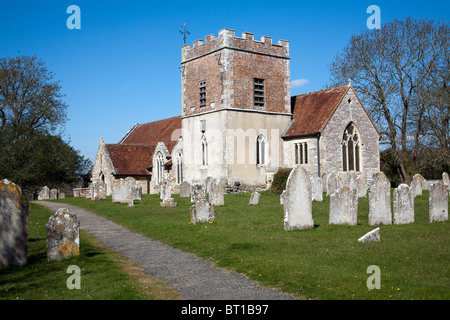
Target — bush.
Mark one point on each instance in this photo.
(279, 180)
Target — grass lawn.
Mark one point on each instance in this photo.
(326, 262)
(105, 274)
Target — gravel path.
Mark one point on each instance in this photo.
(192, 277)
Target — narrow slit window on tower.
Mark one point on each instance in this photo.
(258, 92)
(202, 92)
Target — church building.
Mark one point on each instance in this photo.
(239, 123)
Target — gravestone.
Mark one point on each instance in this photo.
(202, 211)
(198, 192)
(446, 180)
(166, 193)
(254, 199)
(352, 183)
(417, 184)
(136, 191)
(98, 190)
(53, 194)
(372, 236)
(121, 189)
(380, 201)
(44, 193)
(343, 207)
(13, 225)
(361, 185)
(63, 235)
(316, 188)
(61, 195)
(333, 183)
(216, 191)
(185, 190)
(438, 202)
(403, 204)
(282, 196)
(297, 201)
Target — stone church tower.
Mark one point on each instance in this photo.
(235, 106)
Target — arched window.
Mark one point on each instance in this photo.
(261, 145)
(179, 167)
(159, 167)
(351, 145)
(204, 146)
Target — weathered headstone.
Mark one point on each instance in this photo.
(44, 193)
(316, 188)
(63, 235)
(198, 192)
(438, 200)
(13, 225)
(361, 185)
(403, 204)
(344, 207)
(380, 201)
(98, 190)
(53, 194)
(202, 211)
(61, 195)
(121, 189)
(297, 201)
(372, 236)
(282, 196)
(446, 180)
(254, 199)
(333, 183)
(166, 191)
(352, 184)
(417, 184)
(185, 190)
(216, 193)
(136, 191)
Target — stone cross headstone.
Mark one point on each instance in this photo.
(198, 192)
(333, 183)
(254, 199)
(185, 190)
(202, 211)
(343, 207)
(44, 193)
(403, 204)
(372, 236)
(316, 188)
(216, 192)
(380, 201)
(98, 190)
(438, 202)
(13, 225)
(297, 201)
(63, 235)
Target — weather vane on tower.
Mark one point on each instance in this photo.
(184, 32)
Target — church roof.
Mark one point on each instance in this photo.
(133, 154)
(311, 111)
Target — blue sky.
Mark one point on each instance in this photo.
(121, 67)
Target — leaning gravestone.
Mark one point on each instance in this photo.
(380, 201)
(403, 204)
(185, 190)
(316, 189)
(202, 211)
(98, 190)
(216, 191)
(297, 201)
(44, 193)
(13, 225)
(438, 200)
(372, 236)
(254, 199)
(63, 235)
(343, 207)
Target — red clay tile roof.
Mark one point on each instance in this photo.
(133, 154)
(130, 159)
(311, 111)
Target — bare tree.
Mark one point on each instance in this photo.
(401, 73)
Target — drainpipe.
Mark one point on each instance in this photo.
(318, 154)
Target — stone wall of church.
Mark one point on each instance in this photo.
(102, 169)
(312, 155)
(331, 138)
